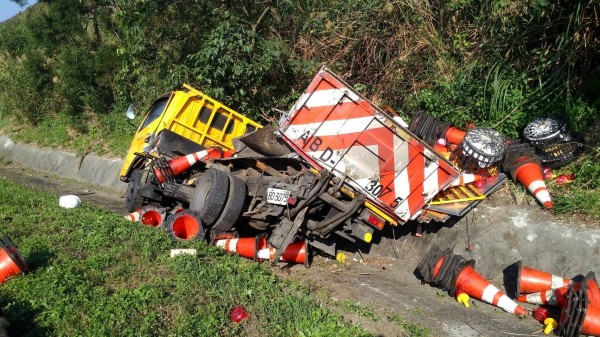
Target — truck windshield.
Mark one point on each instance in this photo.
(156, 110)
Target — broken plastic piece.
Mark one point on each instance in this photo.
(69, 201)
(238, 314)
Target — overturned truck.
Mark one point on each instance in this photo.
(336, 168)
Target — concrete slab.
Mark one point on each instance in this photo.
(91, 168)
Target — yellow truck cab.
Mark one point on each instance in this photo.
(179, 123)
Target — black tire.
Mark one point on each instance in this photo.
(210, 195)
(233, 205)
(133, 201)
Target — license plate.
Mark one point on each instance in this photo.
(277, 196)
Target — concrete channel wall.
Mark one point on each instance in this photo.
(91, 168)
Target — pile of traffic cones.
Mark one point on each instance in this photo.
(457, 276)
(257, 249)
(578, 300)
(11, 261)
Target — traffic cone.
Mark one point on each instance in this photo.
(181, 164)
(475, 285)
(152, 216)
(295, 252)
(454, 135)
(579, 316)
(246, 247)
(530, 175)
(531, 280)
(556, 297)
(133, 216)
(11, 261)
(456, 275)
(185, 225)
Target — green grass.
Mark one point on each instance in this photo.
(414, 330)
(361, 310)
(94, 274)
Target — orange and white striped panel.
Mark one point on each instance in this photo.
(335, 128)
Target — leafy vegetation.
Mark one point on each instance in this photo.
(94, 274)
(70, 70)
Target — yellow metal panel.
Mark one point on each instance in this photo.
(458, 194)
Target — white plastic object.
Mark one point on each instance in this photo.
(175, 252)
(69, 201)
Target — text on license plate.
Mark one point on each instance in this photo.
(277, 196)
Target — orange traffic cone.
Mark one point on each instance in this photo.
(530, 175)
(472, 283)
(185, 225)
(295, 252)
(181, 164)
(454, 135)
(557, 297)
(456, 275)
(11, 261)
(531, 280)
(152, 216)
(246, 247)
(579, 316)
(134, 216)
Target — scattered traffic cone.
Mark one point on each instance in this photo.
(11, 261)
(152, 216)
(531, 280)
(530, 175)
(472, 283)
(456, 275)
(185, 225)
(133, 216)
(295, 252)
(181, 164)
(454, 135)
(246, 247)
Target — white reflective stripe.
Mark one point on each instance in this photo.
(430, 185)
(401, 157)
(489, 293)
(264, 254)
(332, 127)
(221, 243)
(534, 298)
(330, 97)
(507, 304)
(232, 245)
(535, 185)
(557, 282)
(543, 196)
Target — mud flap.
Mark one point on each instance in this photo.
(285, 233)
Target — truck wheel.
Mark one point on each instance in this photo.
(210, 195)
(133, 201)
(233, 205)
